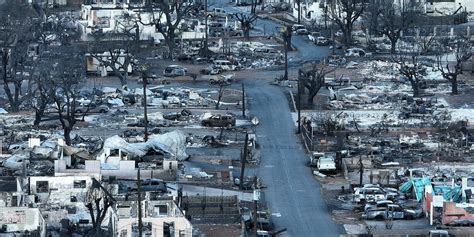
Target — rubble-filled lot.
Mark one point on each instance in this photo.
(399, 146)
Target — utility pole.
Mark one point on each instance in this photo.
(361, 171)
(206, 36)
(299, 106)
(139, 189)
(243, 160)
(243, 100)
(144, 68)
(145, 115)
(256, 197)
(285, 77)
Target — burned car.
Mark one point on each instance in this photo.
(92, 108)
(371, 193)
(392, 211)
(218, 120)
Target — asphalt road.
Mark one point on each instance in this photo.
(292, 194)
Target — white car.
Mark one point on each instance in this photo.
(312, 36)
(326, 163)
(369, 194)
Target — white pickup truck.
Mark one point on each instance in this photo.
(326, 163)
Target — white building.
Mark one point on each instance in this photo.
(108, 18)
(16, 220)
(159, 217)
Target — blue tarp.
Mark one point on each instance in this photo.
(418, 185)
(448, 192)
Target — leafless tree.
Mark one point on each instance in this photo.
(16, 34)
(173, 12)
(246, 23)
(98, 202)
(425, 40)
(412, 70)
(313, 79)
(64, 82)
(118, 55)
(462, 53)
(344, 13)
(40, 89)
(397, 18)
(253, 7)
(372, 15)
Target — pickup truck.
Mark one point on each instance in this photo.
(326, 163)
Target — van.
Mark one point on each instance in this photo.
(225, 65)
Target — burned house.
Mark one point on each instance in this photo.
(160, 218)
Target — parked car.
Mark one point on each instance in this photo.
(225, 65)
(326, 163)
(379, 204)
(222, 79)
(355, 52)
(154, 185)
(369, 194)
(296, 27)
(313, 35)
(233, 32)
(394, 211)
(219, 121)
(211, 70)
(266, 52)
(314, 158)
(303, 31)
(200, 60)
(92, 108)
(322, 41)
(184, 57)
(174, 71)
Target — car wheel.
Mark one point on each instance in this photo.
(78, 111)
(102, 111)
(379, 218)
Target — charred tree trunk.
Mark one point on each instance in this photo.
(454, 85)
(246, 31)
(12, 99)
(170, 42)
(347, 35)
(415, 87)
(393, 43)
(122, 76)
(39, 115)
